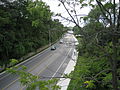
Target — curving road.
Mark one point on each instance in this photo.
(47, 64)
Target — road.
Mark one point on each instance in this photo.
(47, 64)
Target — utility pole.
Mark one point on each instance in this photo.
(49, 38)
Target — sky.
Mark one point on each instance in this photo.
(54, 8)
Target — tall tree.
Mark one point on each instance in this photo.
(100, 31)
(24, 27)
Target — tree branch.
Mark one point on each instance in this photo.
(69, 13)
(75, 14)
(101, 72)
(101, 8)
(114, 13)
(118, 18)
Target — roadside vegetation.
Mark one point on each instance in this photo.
(98, 65)
(25, 26)
(29, 81)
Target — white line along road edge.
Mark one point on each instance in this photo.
(63, 83)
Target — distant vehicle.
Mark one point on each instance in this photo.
(61, 41)
(76, 43)
(53, 48)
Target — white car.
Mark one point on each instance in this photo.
(61, 41)
(53, 47)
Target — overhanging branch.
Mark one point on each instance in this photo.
(101, 8)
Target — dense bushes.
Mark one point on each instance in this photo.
(24, 27)
(98, 66)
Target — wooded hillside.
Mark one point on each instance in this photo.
(25, 26)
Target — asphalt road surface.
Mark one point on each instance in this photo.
(47, 64)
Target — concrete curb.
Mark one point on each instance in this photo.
(63, 83)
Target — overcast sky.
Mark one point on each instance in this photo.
(54, 8)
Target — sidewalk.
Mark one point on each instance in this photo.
(63, 83)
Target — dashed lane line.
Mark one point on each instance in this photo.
(28, 71)
(61, 64)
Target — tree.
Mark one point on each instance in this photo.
(24, 27)
(30, 81)
(101, 31)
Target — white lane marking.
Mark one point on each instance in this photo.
(61, 63)
(28, 71)
(63, 83)
(24, 62)
(40, 71)
(35, 66)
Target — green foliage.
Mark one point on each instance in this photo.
(31, 82)
(109, 5)
(98, 59)
(84, 77)
(107, 80)
(81, 1)
(84, 5)
(76, 30)
(89, 84)
(95, 14)
(20, 49)
(24, 27)
(13, 61)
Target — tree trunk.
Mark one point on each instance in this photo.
(114, 57)
(114, 64)
(114, 75)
